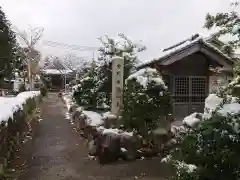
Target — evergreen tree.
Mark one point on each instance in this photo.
(225, 22)
(8, 47)
(122, 47)
(20, 63)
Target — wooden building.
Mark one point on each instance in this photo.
(186, 69)
(58, 78)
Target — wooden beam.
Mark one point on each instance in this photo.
(217, 57)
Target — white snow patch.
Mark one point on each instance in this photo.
(166, 159)
(67, 116)
(123, 150)
(191, 120)
(110, 131)
(93, 118)
(56, 71)
(109, 115)
(127, 133)
(10, 105)
(212, 102)
(68, 101)
(233, 108)
(189, 167)
(147, 75)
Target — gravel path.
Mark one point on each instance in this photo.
(57, 153)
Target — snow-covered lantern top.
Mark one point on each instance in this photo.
(236, 29)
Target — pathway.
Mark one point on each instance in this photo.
(57, 153)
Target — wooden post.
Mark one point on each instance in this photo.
(117, 84)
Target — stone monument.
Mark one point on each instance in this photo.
(117, 84)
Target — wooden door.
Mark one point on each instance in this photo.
(189, 93)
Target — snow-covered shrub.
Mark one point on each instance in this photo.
(146, 101)
(212, 146)
(103, 101)
(87, 91)
(14, 120)
(95, 90)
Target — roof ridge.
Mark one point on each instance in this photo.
(189, 39)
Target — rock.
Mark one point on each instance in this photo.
(130, 143)
(92, 148)
(76, 115)
(108, 148)
(81, 122)
(72, 108)
(110, 120)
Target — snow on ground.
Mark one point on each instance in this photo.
(10, 105)
(68, 100)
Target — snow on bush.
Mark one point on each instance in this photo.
(115, 131)
(214, 104)
(86, 93)
(212, 146)
(145, 90)
(10, 105)
(145, 76)
(191, 120)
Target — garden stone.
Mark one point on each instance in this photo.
(130, 144)
(92, 148)
(108, 148)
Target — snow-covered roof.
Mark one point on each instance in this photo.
(56, 71)
(193, 40)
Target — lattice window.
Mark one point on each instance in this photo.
(181, 86)
(181, 99)
(189, 89)
(198, 99)
(198, 85)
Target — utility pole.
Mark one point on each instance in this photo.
(65, 80)
(29, 73)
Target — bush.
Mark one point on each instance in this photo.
(210, 150)
(13, 128)
(85, 94)
(146, 102)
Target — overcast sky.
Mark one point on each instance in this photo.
(157, 23)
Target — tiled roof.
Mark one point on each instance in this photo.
(182, 46)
